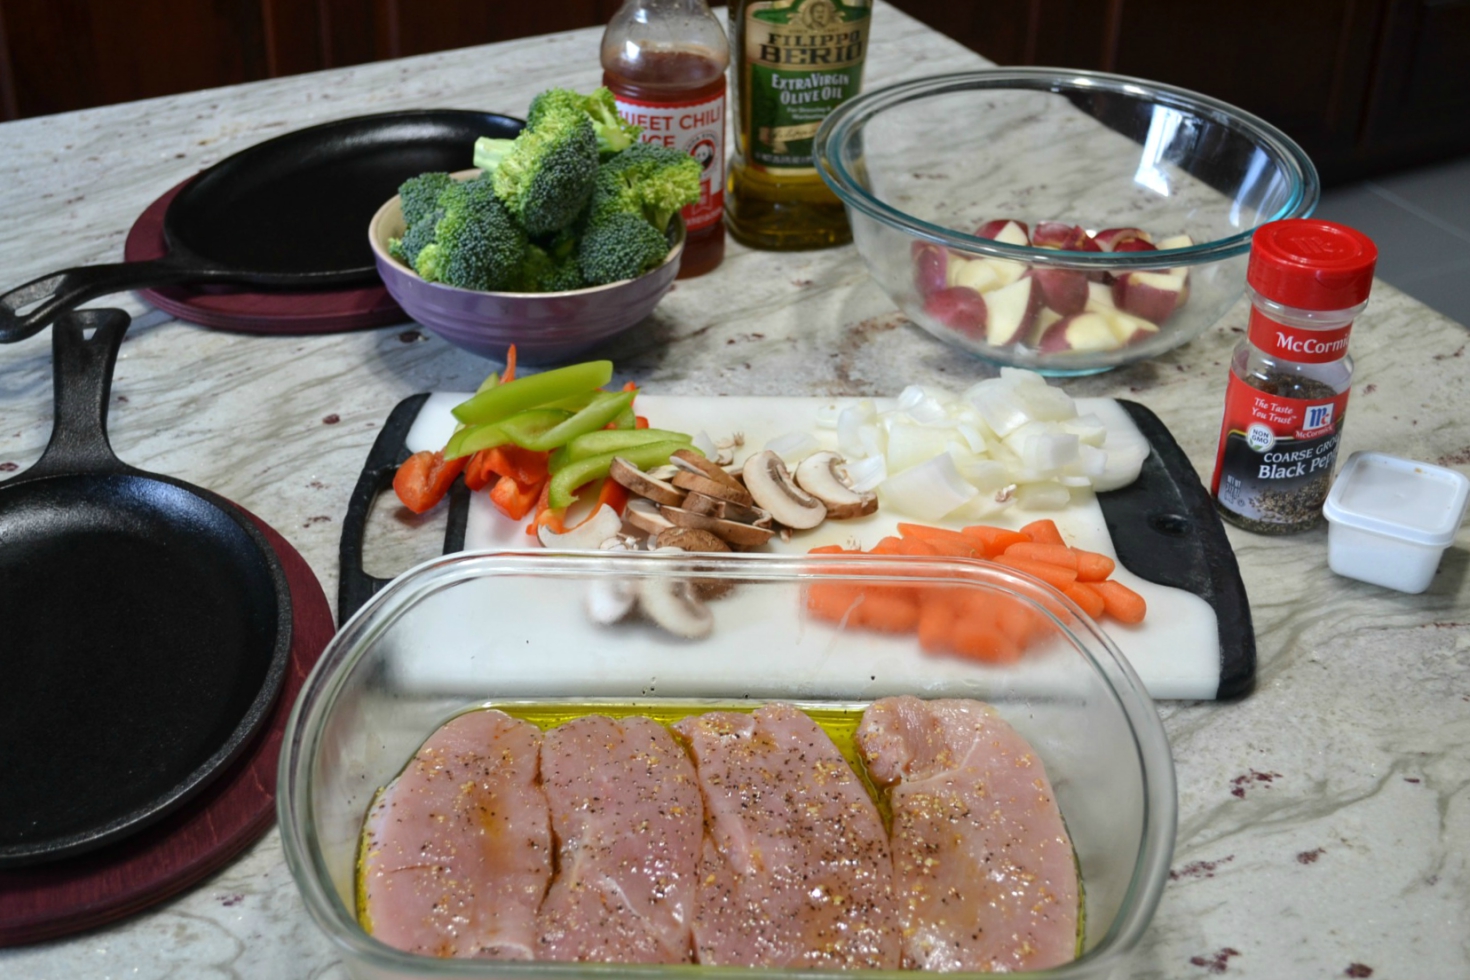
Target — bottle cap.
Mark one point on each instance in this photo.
(1311, 264)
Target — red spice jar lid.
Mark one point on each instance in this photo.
(1311, 264)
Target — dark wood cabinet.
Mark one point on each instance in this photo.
(1363, 85)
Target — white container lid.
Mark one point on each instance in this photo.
(1399, 498)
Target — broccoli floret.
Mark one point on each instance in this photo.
(545, 174)
(619, 245)
(407, 248)
(614, 134)
(420, 196)
(653, 181)
(476, 244)
(547, 272)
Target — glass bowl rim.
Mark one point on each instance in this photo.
(840, 126)
(323, 686)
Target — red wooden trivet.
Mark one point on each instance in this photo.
(231, 308)
(51, 900)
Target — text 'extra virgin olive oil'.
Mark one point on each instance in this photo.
(794, 62)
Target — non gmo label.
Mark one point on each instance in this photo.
(697, 128)
(804, 58)
(1276, 455)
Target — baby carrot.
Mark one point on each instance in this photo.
(1053, 554)
(936, 621)
(1053, 575)
(1093, 567)
(995, 539)
(1121, 602)
(945, 542)
(980, 640)
(887, 609)
(1086, 597)
(1043, 531)
(832, 601)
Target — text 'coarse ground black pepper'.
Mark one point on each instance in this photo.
(1287, 395)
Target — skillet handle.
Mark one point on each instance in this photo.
(82, 373)
(355, 586)
(46, 298)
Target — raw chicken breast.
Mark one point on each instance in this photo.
(628, 822)
(795, 869)
(982, 864)
(457, 849)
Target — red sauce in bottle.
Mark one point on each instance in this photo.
(676, 92)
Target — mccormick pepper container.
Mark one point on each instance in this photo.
(1286, 398)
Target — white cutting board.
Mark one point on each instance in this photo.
(1175, 651)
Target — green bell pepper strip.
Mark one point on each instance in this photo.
(604, 409)
(522, 425)
(627, 418)
(611, 440)
(563, 487)
(505, 400)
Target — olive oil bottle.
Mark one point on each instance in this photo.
(794, 62)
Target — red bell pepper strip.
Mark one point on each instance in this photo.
(424, 479)
(514, 499)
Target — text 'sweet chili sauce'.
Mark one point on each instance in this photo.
(665, 62)
(1287, 394)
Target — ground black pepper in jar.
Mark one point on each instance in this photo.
(1287, 395)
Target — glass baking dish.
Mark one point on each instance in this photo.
(501, 628)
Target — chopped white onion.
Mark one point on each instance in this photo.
(865, 474)
(794, 445)
(705, 444)
(1042, 496)
(1126, 450)
(827, 417)
(928, 491)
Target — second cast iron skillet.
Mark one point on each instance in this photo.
(145, 626)
(289, 213)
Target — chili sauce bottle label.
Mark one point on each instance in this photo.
(1276, 455)
(804, 58)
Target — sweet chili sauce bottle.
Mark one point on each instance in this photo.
(1287, 394)
(665, 62)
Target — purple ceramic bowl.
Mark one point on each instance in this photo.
(545, 327)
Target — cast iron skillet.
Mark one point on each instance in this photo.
(145, 626)
(289, 213)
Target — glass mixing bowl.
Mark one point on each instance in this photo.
(923, 166)
(511, 629)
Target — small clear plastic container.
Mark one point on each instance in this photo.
(1389, 520)
(510, 629)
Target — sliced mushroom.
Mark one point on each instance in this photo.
(699, 483)
(820, 476)
(688, 459)
(643, 484)
(674, 605)
(609, 600)
(696, 540)
(771, 485)
(689, 539)
(731, 531)
(587, 536)
(664, 472)
(644, 516)
(702, 504)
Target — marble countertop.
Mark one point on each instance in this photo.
(1324, 820)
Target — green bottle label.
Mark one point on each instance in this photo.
(804, 58)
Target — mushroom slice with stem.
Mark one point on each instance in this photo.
(586, 536)
(609, 600)
(703, 504)
(699, 483)
(687, 459)
(732, 532)
(820, 475)
(675, 605)
(769, 482)
(644, 516)
(642, 484)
